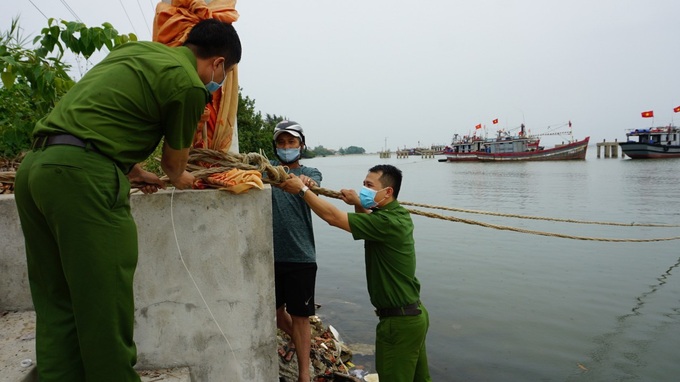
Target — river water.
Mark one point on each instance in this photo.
(509, 306)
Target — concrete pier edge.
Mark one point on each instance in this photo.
(225, 241)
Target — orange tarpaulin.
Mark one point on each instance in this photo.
(171, 26)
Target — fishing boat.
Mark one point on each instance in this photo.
(655, 142)
(526, 149)
(519, 147)
(464, 148)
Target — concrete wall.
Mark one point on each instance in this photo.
(14, 292)
(226, 243)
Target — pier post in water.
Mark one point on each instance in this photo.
(611, 149)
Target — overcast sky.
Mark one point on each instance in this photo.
(372, 73)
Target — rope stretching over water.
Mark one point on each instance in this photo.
(277, 174)
(335, 194)
(539, 217)
(204, 162)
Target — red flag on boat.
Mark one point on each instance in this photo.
(495, 121)
(677, 109)
(477, 127)
(648, 114)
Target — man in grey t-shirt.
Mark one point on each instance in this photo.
(294, 252)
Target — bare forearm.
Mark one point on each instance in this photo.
(326, 211)
(172, 167)
(135, 171)
(174, 164)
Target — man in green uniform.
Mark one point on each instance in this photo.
(72, 194)
(387, 230)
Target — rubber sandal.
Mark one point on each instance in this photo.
(286, 353)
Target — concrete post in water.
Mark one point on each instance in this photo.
(615, 149)
(611, 149)
(607, 150)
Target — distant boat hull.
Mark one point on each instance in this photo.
(461, 157)
(571, 151)
(652, 143)
(637, 150)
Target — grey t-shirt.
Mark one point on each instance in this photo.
(292, 221)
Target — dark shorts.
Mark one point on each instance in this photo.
(295, 284)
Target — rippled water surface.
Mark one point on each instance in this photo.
(509, 306)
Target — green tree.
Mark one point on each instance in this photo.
(18, 114)
(254, 132)
(267, 136)
(35, 78)
(352, 150)
(320, 150)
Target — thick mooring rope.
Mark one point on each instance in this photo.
(204, 162)
(337, 195)
(538, 217)
(541, 233)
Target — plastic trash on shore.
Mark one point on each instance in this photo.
(359, 373)
(330, 358)
(335, 333)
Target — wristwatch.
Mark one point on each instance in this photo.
(302, 191)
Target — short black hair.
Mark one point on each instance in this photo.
(390, 176)
(211, 38)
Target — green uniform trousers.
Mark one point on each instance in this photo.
(81, 251)
(400, 354)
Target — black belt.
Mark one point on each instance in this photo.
(406, 310)
(62, 139)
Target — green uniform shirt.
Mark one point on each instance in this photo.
(390, 255)
(139, 93)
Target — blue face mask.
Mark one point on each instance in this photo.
(367, 197)
(288, 155)
(212, 86)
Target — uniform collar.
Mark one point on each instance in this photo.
(189, 55)
(389, 206)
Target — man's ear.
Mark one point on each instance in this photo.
(217, 62)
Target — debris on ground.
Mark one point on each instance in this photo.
(7, 170)
(330, 358)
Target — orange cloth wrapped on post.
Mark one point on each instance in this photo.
(235, 181)
(171, 26)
